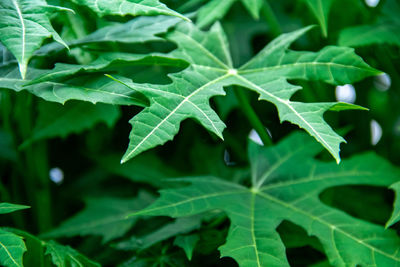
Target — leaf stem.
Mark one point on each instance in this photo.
(268, 14)
(252, 116)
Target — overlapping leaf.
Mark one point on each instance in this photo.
(267, 73)
(320, 9)
(12, 248)
(64, 256)
(128, 7)
(286, 183)
(94, 89)
(384, 31)
(396, 212)
(55, 120)
(216, 9)
(24, 24)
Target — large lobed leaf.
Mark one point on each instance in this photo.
(24, 24)
(286, 183)
(267, 73)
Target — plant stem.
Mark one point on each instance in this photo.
(252, 116)
(268, 14)
(34, 162)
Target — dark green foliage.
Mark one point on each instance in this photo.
(182, 184)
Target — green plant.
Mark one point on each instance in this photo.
(73, 73)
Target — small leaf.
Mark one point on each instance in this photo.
(56, 120)
(187, 243)
(8, 207)
(217, 9)
(179, 226)
(321, 9)
(137, 30)
(128, 7)
(65, 256)
(12, 248)
(396, 212)
(384, 32)
(104, 216)
(94, 89)
(24, 24)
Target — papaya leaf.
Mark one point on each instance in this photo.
(12, 248)
(106, 217)
(396, 212)
(286, 182)
(64, 256)
(24, 24)
(56, 120)
(8, 207)
(267, 74)
(128, 7)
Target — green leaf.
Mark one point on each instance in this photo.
(8, 207)
(12, 248)
(384, 32)
(94, 89)
(105, 62)
(128, 7)
(65, 256)
(320, 9)
(105, 216)
(146, 168)
(286, 182)
(267, 73)
(216, 10)
(179, 226)
(56, 120)
(187, 243)
(137, 30)
(24, 24)
(396, 212)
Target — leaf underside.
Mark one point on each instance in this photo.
(286, 184)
